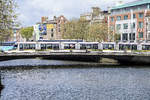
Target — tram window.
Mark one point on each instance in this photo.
(95, 46)
(88, 46)
(82, 46)
(121, 47)
(127, 46)
(25, 46)
(72, 46)
(32, 46)
(28, 46)
(21, 46)
(105, 46)
(15, 46)
(55, 46)
(143, 47)
(108, 46)
(134, 47)
(146, 47)
(43, 46)
(49, 46)
(66, 46)
(111, 46)
(69, 46)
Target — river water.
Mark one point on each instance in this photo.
(73, 83)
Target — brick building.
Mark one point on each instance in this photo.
(131, 21)
(49, 29)
(61, 20)
(96, 16)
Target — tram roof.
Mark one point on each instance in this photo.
(127, 43)
(108, 42)
(145, 43)
(27, 42)
(9, 42)
(61, 40)
(88, 42)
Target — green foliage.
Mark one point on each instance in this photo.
(82, 29)
(27, 32)
(96, 11)
(7, 18)
(117, 37)
(98, 32)
(75, 29)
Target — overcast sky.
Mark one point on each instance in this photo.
(31, 11)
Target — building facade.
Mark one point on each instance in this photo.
(49, 29)
(61, 20)
(96, 16)
(36, 32)
(15, 31)
(131, 21)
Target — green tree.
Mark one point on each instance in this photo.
(83, 29)
(75, 29)
(117, 37)
(27, 32)
(68, 29)
(98, 32)
(7, 18)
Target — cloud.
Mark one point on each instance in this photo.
(32, 10)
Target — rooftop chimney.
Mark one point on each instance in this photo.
(44, 19)
(119, 3)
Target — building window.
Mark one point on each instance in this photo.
(125, 36)
(15, 31)
(134, 16)
(118, 26)
(133, 25)
(140, 34)
(112, 19)
(52, 30)
(126, 17)
(118, 37)
(132, 36)
(140, 24)
(112, 27)
(118, 18)
(41, 37)
(141, 15)
(59, 25)
(148, 36)
(125, 26)
(59, 29)
(52, 35)
(148, 6)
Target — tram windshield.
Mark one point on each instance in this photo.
(88, 46)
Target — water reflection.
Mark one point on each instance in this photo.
(92, 83)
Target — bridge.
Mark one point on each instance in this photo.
(96, 56)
